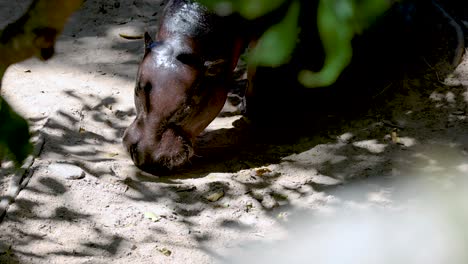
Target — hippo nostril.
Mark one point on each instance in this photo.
(147, 88)
(133, 152)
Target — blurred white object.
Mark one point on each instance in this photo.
(426, 225)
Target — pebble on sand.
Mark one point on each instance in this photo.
(67, 171)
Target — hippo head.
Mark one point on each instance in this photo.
(177, 94)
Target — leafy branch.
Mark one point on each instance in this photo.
(32, 35)
(338, 21)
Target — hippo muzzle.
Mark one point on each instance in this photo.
(164, 152)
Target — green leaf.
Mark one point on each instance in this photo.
(215, 196)
(338, 21)
(253, 9)
(370, 10)
(152, 216)
(166, 252)
(249, 9)
(14, 134)
(277, 44)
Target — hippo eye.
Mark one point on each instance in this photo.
(189, 59)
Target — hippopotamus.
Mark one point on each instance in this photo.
(187, 70)
(182, 83)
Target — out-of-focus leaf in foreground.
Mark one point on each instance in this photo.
(277, 44)
(249, 9)
(338, 21)
(14, 134)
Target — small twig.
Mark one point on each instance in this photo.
(430, 66)
(392, 125)
(437, 75)
(382, 91)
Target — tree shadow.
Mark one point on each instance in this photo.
(343, 159)
(254, 168)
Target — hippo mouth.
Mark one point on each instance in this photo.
(173, 151)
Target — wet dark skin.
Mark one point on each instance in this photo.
(181, 85)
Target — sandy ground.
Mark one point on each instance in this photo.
(80, 102)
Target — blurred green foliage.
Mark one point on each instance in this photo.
(31, 35)
(338, 21)
(278, 42)
(249, 9)
(14, 134)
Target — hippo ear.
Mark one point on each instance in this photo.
(214, 68)
(148, 42)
